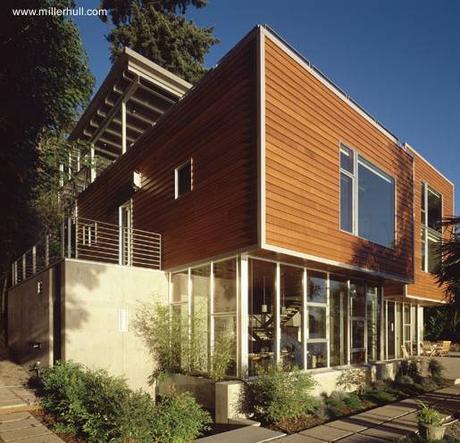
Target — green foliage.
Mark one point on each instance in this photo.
(161, 35)
(44, 85)
(429, 416)
(380, 397)
(436, 370)
(101, 408)
(405, 380)
(276, 395)
(178, 419)
(222, 355)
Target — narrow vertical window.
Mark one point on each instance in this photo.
(183, 179)
(431, 230)
(346, 188)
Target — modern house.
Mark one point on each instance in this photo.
(264, 196)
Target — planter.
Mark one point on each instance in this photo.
(431, 432)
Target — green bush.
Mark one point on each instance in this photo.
(276, 395)
(405, 380)
(178, 419)
(101, 408)
(436, 370)
(354, 402)
(380, 397)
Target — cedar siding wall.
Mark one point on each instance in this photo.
(215, 125)
(305, 123)
(425, 284)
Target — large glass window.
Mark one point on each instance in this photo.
(200, 281)
(225, 308)
(367, 199)
(316, 308)
(372, 323)
(291, 296)
(338, 321)
(262, 278)
(180, 317)
(431, 231)
(358, 322)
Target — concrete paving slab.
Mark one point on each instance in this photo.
(348, 424)
(389, 431)
(297, 438)
(388, 411)
(19, 434)
(359, 438)
(368, 420)
(20, 424)
(14, 416)
(326, 433)
(250, 434)
(50, 438)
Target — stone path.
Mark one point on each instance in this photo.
(379, 425)
(382, 424)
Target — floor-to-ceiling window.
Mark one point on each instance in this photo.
(372, 323)
(391, 330)
(261, 314)
(291, 297)
(338, 320)
(399, 330)
(180, 314)
(224, 305)
(317, 320)
(358, 322)
(200, 285)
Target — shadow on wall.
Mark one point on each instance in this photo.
(399, 259)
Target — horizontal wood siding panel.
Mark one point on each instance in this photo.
(216, 126)
(425, 285)
(305, 124)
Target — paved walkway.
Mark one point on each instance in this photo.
(379, 425)
(383, 424)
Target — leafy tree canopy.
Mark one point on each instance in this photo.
(44, 83)
(154, 29)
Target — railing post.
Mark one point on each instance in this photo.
(24, 263)
(34, 259)
(47, 250)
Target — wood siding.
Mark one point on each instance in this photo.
(425, 285)
(216, 126)
(305, 124)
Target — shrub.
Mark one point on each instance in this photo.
(380, 397)
(102, 408)
(405, 380)
(354, 402)
(353, 380)
(428, 384)
(178, 419)
(436, 370)
(222, 355)
(276, 395)
(429, 416)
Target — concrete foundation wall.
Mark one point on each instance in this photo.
(98, 299)
(30, 318)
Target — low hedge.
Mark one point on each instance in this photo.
(101, 408)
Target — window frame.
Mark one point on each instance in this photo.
(355, 193)
(427, 231)
(176, 178)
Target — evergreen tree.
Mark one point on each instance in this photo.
(158, 30)
(44, 83)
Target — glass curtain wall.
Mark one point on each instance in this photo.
(317, 324)
(291, 318)
(358, 322)
(180, 316)
(391, 330)
(225, 309)
(373, 323)
(338, 320)
(261, 315)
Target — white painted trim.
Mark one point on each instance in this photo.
(408, 146)
(327, 261)
(261, 133)
(277, 308)
(176, 177)
(304, 320)
(417, 297)
(123, 126)
(243, 316)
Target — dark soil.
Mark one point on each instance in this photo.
(49, 421)
(294, 425)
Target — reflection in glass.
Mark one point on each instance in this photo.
(372, 323)
(338, 320)
(376, 209)
(317, 289)
(357, 337)
(262, 277)
(317, 355)
(316, 322)
(225, 291)
(346, 159)
(346, 202)
(291, 315)
(391, 330)
(180, 287)
(434, 210)
(358, 299)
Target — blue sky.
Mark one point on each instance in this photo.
(400, 59)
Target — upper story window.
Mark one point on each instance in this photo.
(183, 179)
(431, 218)
(367, 199)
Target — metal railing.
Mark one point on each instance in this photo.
(92, 240)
